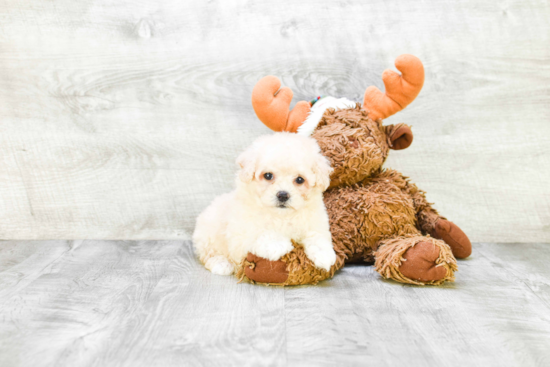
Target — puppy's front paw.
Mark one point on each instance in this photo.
(219, 265)
(274, 249)
(321, 253)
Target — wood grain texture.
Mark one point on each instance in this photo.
(122, 120)
(150, 303)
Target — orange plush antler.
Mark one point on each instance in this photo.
(401, 90)
(271, 103)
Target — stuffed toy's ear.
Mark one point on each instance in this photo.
(247, 163)
(400, 136)
(322, 171)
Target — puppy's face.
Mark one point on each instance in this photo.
(284, 171)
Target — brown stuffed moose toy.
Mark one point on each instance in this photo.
(376, 214)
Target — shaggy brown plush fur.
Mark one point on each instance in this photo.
(376, 215)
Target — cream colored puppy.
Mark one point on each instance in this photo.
(279, 198)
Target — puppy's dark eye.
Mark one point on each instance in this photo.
(300, 180)
(268, 176)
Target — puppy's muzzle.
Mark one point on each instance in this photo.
(283, 196)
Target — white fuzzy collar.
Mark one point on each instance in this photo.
(319, 109)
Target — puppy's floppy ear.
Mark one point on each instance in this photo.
(322, 171)
(247, 162)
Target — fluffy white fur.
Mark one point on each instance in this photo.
(252, 219)
(317, 111)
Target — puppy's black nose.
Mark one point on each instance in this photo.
(283, 196)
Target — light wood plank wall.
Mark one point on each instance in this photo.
(122, 119)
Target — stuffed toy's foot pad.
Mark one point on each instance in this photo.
(454, 237)
(262, 270)
(420, 263)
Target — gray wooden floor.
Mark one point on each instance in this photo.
(128, 303)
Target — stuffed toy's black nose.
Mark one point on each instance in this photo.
(283, 196)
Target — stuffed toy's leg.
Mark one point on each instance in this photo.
(416, 260)
(412, 259)
(439, 227)
(429, 220)
(293, 268)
